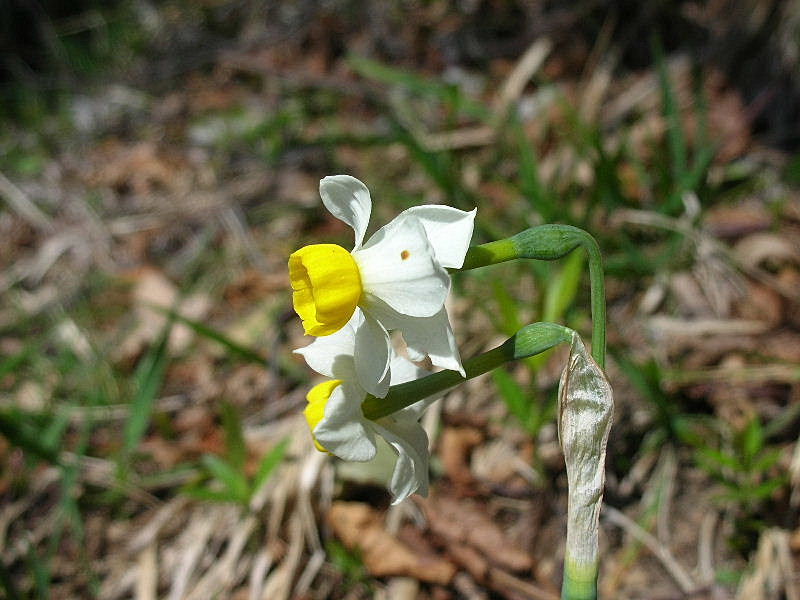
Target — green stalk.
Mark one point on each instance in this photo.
(528, 341)
(551, 242)
(580, 581)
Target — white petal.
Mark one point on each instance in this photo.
(424, 336)
(449, 231)
(401, 269)
(343, 430)
(348, 200)
(332, 355)
(416, 410)
(410, 442)
(404, 370)
(372, 355)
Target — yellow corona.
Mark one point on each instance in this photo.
(317, 398)
(326, 286)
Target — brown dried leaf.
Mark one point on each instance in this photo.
(733, 221)
(140, 167)
(463, 523)
(755, 249)
(456, 446)
(153, 289)
(760, 302)
(360, 527)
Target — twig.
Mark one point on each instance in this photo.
(705, 559)
(147, 582)
(668, 561)
(200, 532)
(528, 64)
(19, 201)
(755, 374)
(508, 581)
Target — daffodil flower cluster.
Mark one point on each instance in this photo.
(398, 281)
(395, 281)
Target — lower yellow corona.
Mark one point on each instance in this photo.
(314, 412)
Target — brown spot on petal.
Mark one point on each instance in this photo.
(405, 254)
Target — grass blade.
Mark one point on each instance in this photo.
(148, 378)
(236, 448)
(268, 464)
(232, 478)
(203, 330)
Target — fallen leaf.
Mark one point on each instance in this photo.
(464, 523)
(153, 290)
(361, 527)
(455, 448)
(733, 221)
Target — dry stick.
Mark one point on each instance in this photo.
(651, 219)
(705, 548)
(148, 534)
(228, 570)
(313, 565)
(19, 201)
(147, 581)
(261, 566)
(508, 581)
(786, 563)
(661, 552)
(191, 557)
(513, 86)
(279, 584)
(528, 64)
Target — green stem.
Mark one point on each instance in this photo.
(528, 341)
(580, 581)
(551, 242)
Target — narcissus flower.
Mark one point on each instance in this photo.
(338, 424)
(398, 278)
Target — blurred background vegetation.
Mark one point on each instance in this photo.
(160, 160)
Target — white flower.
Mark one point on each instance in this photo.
(338, 424)
(398, 278)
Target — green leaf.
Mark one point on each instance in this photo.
(508, 320)
(18, 430)
(752, 440)
(148, 379)
(765, 461)
(563, 288)
(513, 395)
(209, 495)
(13, 362)
(676, 140)
(445, 92)
(738, 493)
(530, 184)
(271, 460)
(204, 330)
(714, 459)
(236, 449)
(233, 479)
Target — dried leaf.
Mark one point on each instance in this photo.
(360, 527)
(456, 445)
(465, 524)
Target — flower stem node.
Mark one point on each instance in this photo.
(326, 287)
